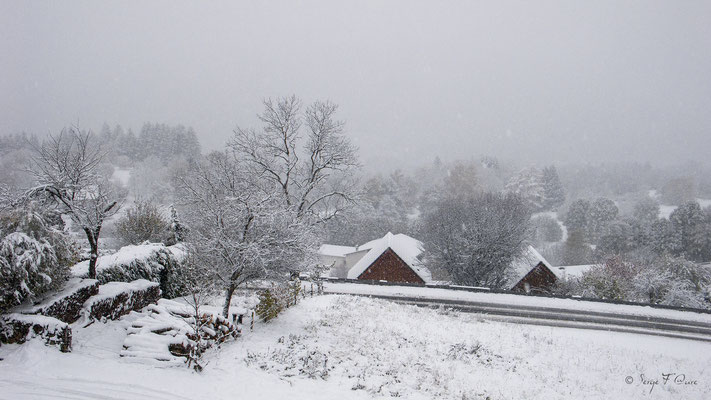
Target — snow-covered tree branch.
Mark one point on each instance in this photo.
(65, 167)
(309, 168)
(239, 226)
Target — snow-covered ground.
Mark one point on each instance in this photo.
(347, 347)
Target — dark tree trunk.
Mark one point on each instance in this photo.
(93, 238)
(228, 299)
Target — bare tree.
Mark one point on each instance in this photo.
(238, 226)
(312, 169)
(65, 167)
(475, 239)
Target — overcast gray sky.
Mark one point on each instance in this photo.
(538, 81)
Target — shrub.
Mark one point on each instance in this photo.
(142, 222)
(176, 229)
(664, 280)
(269, 305)
(611, 281)
(674, 281)
(34, 256)
(274, 300)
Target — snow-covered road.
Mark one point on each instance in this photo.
(543, 311)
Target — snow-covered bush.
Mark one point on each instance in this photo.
(274, 300)
(34, 256)
(664, 280)
(675, 282)
(269, 305)
(151, 261)
(611, 281)
(142, 222)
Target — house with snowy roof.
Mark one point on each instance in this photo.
(532, 273)
(392, 258)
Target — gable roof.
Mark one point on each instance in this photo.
(334, 250)
(526, 262)
(407, 248)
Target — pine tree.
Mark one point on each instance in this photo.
(528, 184)
(177, 228)
(577, 216)
(665, 240)
(602, 212)
(691, 224)
(576, 251)
(646, 210)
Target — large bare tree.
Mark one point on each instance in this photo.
(65, 167)
(474, 239)
(306, 154)
(252, 209)
(239, 229)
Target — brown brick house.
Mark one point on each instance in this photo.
(532, 273)
(540, 279)
(392, 258)
(390, 267)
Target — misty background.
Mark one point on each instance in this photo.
(573, 133)
(544, 83)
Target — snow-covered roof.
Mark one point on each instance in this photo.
(335, 250)
(572, 271)
(525, 263)
(407, 248)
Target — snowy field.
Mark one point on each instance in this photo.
(342, 347)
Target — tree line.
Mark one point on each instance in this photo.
(258, 208)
